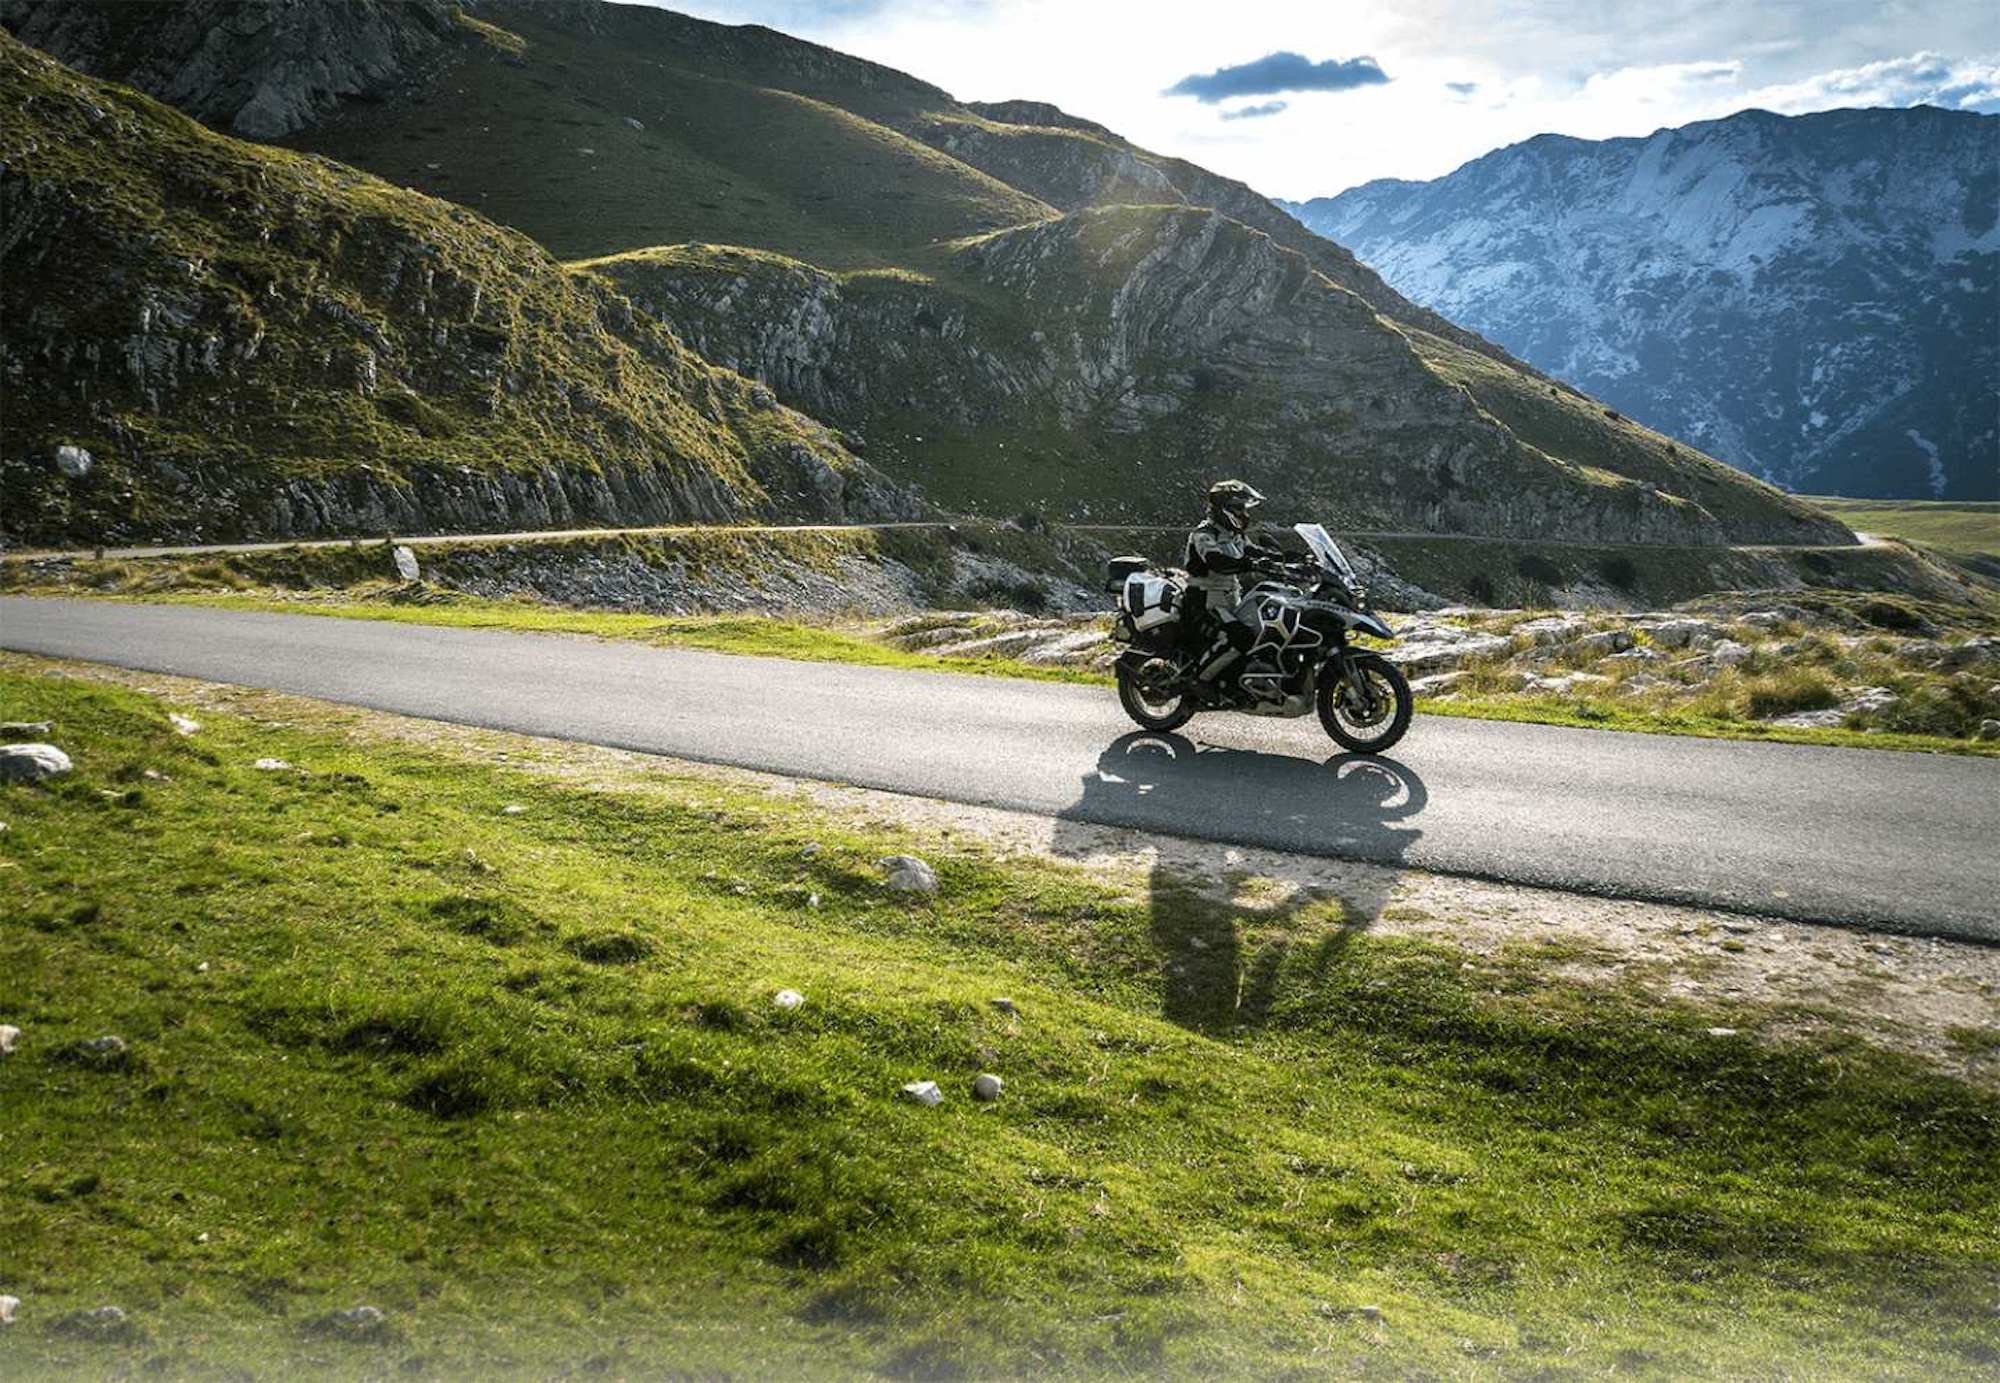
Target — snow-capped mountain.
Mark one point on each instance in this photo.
(1813, 298)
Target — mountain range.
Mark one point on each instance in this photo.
(326, 268)
(1813, 298)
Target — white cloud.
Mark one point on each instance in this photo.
(1469, 76)
(1920, 79)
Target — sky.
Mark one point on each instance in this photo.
(1304, 98)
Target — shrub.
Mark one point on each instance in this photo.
(1932, 710)
(1536, 568)
(1782, 693)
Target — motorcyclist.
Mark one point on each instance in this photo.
(1219, 553)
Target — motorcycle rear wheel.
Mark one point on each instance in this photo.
(1150, 711)
(1390, 719)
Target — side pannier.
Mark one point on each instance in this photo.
(1151, 599)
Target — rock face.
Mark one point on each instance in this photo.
(1161, 345)
(1815, 299)
(263, 70)
(285, 347)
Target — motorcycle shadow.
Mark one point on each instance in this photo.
(1233, 948)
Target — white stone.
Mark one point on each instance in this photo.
(908, 874)
(31, 763)
(74, 462)
(635, 123)
(271, 765)
(1722, 1032)
(1829, 719)
(1437, 683)
(924, 1092)
(513, 809)
(1552, 629)
(406, 565)
(1863, 700)
(788, 998)
(1440, 655)
(1730, 653)
(8, 1306)
(9, 1035)
(1681, 633)
(987, 1086)
(182, 724)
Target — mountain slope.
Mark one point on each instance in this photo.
(249, 341)
(1108, 363)
(1816, 299)
(626, 133)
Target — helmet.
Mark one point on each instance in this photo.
(1230, 503)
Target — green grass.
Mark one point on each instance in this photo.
(516, 1080)
(1602, 713)
(1960, 527)
(738, 147)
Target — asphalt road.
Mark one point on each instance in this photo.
(1907, 841)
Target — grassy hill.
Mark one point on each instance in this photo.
(515, 1080)
(1965, 529)
(248, 340)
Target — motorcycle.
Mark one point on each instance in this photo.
(1290, 652)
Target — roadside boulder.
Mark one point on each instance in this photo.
(1437, 684)
(1829, 719)
(1553, 629)
(908, 874)
(1867, 700)
(1603, 644)
(1972, 653)
(924, 1092)
(1988, 730)
(31, 763)
(1442, 655)
(406, 565)
(1682, 633)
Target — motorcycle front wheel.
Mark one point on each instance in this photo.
(1152, 710)
(1372, 727)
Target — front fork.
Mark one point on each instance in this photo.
(1360, 693)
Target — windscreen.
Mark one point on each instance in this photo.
(1325, 548)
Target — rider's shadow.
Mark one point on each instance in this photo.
(1233, 947)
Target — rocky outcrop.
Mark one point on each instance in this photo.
(258, 68)
(244, 341)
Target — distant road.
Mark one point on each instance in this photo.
(449, 539)
(558, 534)
(1904, 841)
